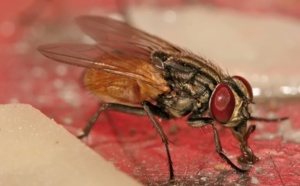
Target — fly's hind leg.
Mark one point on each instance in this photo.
(109, 106)
(147, 109)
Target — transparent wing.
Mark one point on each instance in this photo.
(105, 58)
(120, 49)
(121, 36)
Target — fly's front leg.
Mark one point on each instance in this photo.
(110, 106)
(242, 133)
(203, 121)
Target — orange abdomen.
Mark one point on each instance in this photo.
(114, 88)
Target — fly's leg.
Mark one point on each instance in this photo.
(87, 129)
(221, 153)
(200, 122)
(110, 106)
(268, 119)
(242, 134)
(148, 107)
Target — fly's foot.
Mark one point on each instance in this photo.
(82, 135)
(247, 156)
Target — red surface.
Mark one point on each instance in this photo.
(131, 142)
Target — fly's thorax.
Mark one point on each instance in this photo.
(191, 79)
(177, 105)
(229, 102)
(190, 91)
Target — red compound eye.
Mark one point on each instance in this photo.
(222, 103)
(247, 85)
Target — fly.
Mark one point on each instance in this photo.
(138, 73)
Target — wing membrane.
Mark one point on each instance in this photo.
(120, 49)
(106, 59)
(105, 30)
(83, 55)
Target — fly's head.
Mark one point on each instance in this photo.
(229, 102)
(229, 105)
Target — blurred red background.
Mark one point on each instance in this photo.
(129, 141)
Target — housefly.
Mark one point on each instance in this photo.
(137, 73)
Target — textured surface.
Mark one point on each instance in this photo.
(131, 142)
(37, 151)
